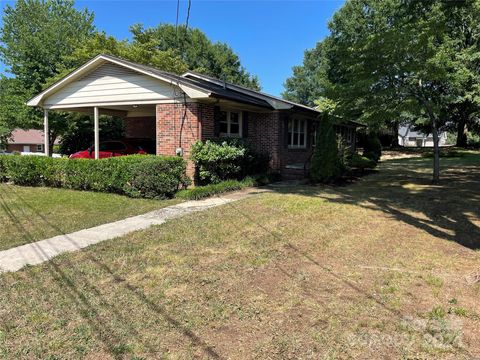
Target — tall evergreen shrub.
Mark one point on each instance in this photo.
(327, 164)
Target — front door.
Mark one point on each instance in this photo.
(26, 148)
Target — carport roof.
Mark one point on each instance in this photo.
(195, 85)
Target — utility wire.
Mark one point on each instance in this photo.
(176, 21)
(188, 15)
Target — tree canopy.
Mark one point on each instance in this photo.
(43, 40)
(196, 50)
(393, 60)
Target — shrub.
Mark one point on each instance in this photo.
(372, 147)
(359, 162)
(216, 161)
(24, 170)
(136, 175)
(3, 168)
(326, 164)
(156, 178)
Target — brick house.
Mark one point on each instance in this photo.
(178, 110)
(26, 141)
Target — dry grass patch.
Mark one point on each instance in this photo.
(364, 271)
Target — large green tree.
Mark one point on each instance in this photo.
(307, 84)
(34, 38)
(394, 60)
(196, 50)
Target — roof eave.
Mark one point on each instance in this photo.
(192, 91)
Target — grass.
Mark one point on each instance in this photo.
(200, 192)
(376, 269)
(29, 214)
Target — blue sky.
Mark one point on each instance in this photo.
(269, 36)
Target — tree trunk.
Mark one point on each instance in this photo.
(394, 140)
(51, 142)
(461, 135)
(436, 152)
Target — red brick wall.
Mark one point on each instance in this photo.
(177, 128)
(207, 121)
(19, 147)
(266, 133)
(140, 127)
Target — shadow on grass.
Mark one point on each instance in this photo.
(403, 190)
(405, 193)
(86, 308)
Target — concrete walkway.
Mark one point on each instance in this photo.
(35, 253)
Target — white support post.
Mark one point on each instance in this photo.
(46, 133)
(97, 135)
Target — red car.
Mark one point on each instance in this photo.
(113, 148)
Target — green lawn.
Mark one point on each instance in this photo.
(386, 268)
(29, 214)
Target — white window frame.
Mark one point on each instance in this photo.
(39, 147)
(240, 124)
(293, 134)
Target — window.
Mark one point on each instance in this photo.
(230, 123)
(39, 147)
(297, 133)
(412, 139)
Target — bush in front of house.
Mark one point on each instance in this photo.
(327, 163)
(359, 162)
(225, 159)
(136, 175)
(156, 177)
(372, 148)
(23, 170)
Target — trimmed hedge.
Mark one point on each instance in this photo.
(152, 177)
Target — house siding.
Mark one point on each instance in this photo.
(112, 83)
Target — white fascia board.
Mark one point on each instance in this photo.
(194, 93)
(117, 103)
(36, 101)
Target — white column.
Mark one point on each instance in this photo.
(96, 130)
(46, 142)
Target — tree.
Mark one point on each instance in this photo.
(326, 165)
(392, 61)
(395, 57)
(34, 38)
(197, 52)
(306, 86)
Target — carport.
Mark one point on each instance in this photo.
(111, 86)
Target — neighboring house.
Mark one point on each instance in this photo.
(178, 110)
(408, 137)
(26, 141)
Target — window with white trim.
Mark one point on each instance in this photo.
(297, 133)
(39, 147)
(230, 123)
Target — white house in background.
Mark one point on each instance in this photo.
(408, 137)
